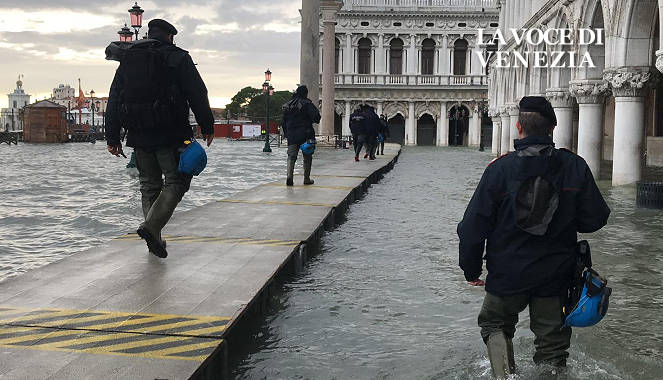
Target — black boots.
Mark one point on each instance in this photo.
(291, 171)
(308, 162)
(500, 353)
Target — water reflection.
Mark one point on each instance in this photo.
(386, 298)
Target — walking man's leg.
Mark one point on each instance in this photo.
(308, 162)
(293, 151)
(552, 340)
(150, 177)
(498, 319)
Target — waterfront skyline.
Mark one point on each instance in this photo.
(232, 41)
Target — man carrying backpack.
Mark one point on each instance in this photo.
(150, 97)
(527, 210)
(299, 115)
(358, 130)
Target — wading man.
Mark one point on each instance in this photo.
(527, 210)
(150, 97)
(299, 115)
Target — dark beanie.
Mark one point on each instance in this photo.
(162, 25)
(539, 105)
(301, 92)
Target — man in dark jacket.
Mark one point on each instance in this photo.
(358, 130)
(299, 115)
(155, 137)
(527, 210)
(384, 133)
(373, 126)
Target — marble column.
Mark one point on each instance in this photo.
(495, 148)
(590, 95)
(659, 52)
(329, 9)
(562, 103)
(412, 56)
(309, 73)
(379, 55)
(475, 128)
(443, 125)
(506, 130)
(346, 119)
(444, 55)
(629, 86)
(348, 55)
(513, 129)
(380, 108)
(410, 133)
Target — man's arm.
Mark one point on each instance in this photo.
(113, 122)
(313, 113)
(476, 226)
(195, 93)
(593, 212)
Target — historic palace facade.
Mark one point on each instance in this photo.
(611, 114)
(417, 62)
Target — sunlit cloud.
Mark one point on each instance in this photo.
(51, 21)
(217, 28)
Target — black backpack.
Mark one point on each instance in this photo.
(146, 102)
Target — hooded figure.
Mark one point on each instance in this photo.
(299, 115)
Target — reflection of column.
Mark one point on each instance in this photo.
(513, 129)
(444, 55)
(310, 49)
(589, 95)
(329, 10)
(506, 130)
(346, 119)
(410, 133)
(443, 126)
(475, 128)
(629, 86)
(562, 103)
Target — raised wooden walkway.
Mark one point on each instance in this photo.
(118, 312)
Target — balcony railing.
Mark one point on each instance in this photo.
(421, 3)
(410, 80)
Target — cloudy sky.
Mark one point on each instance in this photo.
(232, 41)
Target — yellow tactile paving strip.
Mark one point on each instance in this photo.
(218, 240)
(175, 337)
(277, 203)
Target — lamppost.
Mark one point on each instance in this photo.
(456, 115)
(92, 105)
(136, 18)
(268, 90)
(125, 34)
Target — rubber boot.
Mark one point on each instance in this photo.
(500, 353)
(308, 162)
(147, 205)
(291, 172)
(160, 213)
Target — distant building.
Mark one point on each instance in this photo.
(9, 117)
(44, 122)
(65, 95)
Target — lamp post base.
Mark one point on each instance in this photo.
(267, 148)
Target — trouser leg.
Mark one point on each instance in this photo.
(293, 152)
(175, 186)
(150, 177)
(358, 145)
(498, 319)
(308, 162)
(382, 147)
(552, 339)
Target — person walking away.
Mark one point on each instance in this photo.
(373, 125)
(358, 130)
(384, 133)
(299, 115)
(527, 210)
(153, 89)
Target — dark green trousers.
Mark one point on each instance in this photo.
(500, 314)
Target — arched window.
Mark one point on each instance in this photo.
(460, 57)
(337, 57)
(428, 57)
(364, 56)
(396, 57)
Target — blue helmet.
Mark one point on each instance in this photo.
(593, 303)
(308, 148)
(193, 159)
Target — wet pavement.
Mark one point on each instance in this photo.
(385, 299)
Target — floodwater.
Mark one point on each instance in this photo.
(59, 199)
(385, 299)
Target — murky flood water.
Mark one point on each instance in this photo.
(59, 199)
(386, 299)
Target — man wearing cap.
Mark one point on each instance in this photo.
(526, 211)
(150, 97)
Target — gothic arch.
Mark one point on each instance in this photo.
(392, 109)
(421, 109)
(339, 107)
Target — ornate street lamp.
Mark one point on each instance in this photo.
(268, 90)
(268, 76)
(136, 18)
(125, 34)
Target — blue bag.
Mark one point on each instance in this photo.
(380, 138)
(193, 158)
(308, 148)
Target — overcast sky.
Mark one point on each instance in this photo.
(232, 41)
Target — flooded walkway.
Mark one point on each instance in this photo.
(386, 299)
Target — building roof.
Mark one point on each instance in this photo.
(45, 104)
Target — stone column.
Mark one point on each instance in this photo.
(410, 133)
(346, 119)
(412, 56)
(562, 103)
(589, 95)
(443, 125)
(513, 130)
(329, 10)
(629, 86)
(659, 53)
(444, 55)
(309, 74)
(379, 55)
(506, 130)
(475, 128)
(380, 108)
(349, 55)
(495, 150)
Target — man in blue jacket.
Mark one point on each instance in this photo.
(526, 211)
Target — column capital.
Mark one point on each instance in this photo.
(659, 60)
(329, 9)
(589, 91)
(630, 81)
(559, 97)
(512, 110)
(493, 113)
